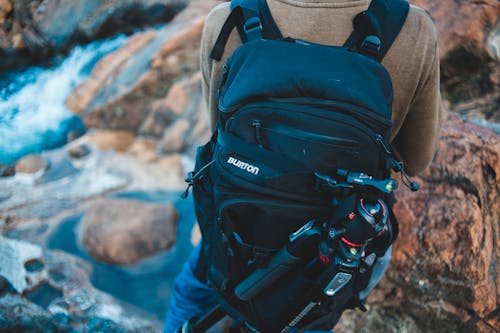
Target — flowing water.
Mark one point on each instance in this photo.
(33, 116)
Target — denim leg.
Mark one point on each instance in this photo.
(190, 297)
(381, 265)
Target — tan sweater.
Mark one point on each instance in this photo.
(412, 62)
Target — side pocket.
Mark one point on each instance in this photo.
(200, 180)
(203, 187)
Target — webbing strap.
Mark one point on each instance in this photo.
(242, 13)
(383, 19)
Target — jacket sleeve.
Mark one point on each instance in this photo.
(418, 139)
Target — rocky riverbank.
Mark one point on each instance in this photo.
(105, 207)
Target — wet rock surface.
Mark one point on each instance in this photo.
(31, 30)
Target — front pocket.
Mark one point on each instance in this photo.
(266, 223)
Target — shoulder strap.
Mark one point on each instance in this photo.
(376, 28)
(253, 20)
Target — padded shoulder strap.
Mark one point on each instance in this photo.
(384, 20)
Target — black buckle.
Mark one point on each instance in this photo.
(253, 28)
(371, 46)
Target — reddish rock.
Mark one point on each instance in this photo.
(464, 27)
(122, 232)
(31, 164)
(443, 276)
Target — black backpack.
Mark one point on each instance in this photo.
(293, 192)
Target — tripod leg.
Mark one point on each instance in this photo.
(208, 320)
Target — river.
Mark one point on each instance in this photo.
(33, 116)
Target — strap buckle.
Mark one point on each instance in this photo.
(253, 28)
(371, 46)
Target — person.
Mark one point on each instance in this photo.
(413, 64)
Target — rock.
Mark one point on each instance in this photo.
(115, 140)
(31, 164)
(464, 27)
(443, 273)
(142, 73)
(5, 9)
(122, 232)
(191, 127)
(58, 295)
(144, 150)
(469, 54)
(43, 32)
(79, 151)
(15, 257)
(7, 170)
(175, 137)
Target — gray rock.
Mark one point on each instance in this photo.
(65, 300)
(79, 151)
(15, 257)
(7, 170)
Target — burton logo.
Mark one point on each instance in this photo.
(243, 166)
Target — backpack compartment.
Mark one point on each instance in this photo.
(323, 140)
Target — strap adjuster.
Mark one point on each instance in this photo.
(253, 28)
(371, 46)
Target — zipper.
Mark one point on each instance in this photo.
(257, 124)
(318, 138)
(267, 201)
(225, 72)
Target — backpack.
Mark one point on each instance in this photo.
(293, 192)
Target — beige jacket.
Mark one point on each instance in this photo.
(412, 62)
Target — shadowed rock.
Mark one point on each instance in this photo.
(33, 30)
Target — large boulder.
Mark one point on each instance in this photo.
(468, 34)
(34, 29)
(469, 45)
(122, 231)
(443, 276)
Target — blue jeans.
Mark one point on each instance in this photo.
(191, 298)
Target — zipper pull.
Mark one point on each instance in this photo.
(192, 177)
(190, 181)
(225, 72)
(258, 132)
(379, 139)
(398, 166)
